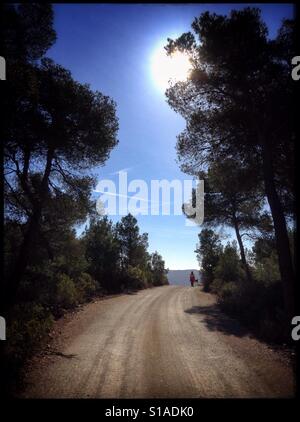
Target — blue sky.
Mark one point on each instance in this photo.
(110, 46)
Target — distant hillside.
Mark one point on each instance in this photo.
(181, 277)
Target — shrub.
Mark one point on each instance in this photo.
(216, 286)
(67, 295)
(243, 300)
(86, 287)
(228, 297)
(206, 282)
(26, 333)
(229, 267)
(267, 269)
(30, 324)
(258, 305)
(135, 278)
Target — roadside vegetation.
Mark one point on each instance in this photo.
(258, 303)
(239, 138)
(57, 131)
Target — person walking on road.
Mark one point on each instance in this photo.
(192, 279)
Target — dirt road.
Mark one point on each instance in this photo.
(168, 341)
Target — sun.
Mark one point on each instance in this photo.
(166, 68)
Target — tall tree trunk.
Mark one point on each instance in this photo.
(21, 264)
(242, 250)
(281, 234)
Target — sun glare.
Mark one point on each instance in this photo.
(169, 68)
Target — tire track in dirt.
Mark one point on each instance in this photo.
(169, 341)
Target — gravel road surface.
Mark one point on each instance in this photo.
(169, 341)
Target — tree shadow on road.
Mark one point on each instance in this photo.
(215, 320)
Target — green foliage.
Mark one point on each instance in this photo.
(80, 269)
(158, 271)
(28, 31)
(135, 278)
(27, 331)
(86, 287)
(215, 286)
(56, 130)
(67, 296)
(258, 304)
(266, 260)
(102, 252)
(117, 256)
(234, 103)
(227, 272)
(267, 269)
(133, 245)
(11, 243)
(208, 253)
(229, 267)
(28, 328)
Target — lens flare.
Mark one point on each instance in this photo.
(167, 69)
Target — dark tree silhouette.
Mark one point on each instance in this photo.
(208, 253)
(238, 103)
(234, 198)
(54, 127)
